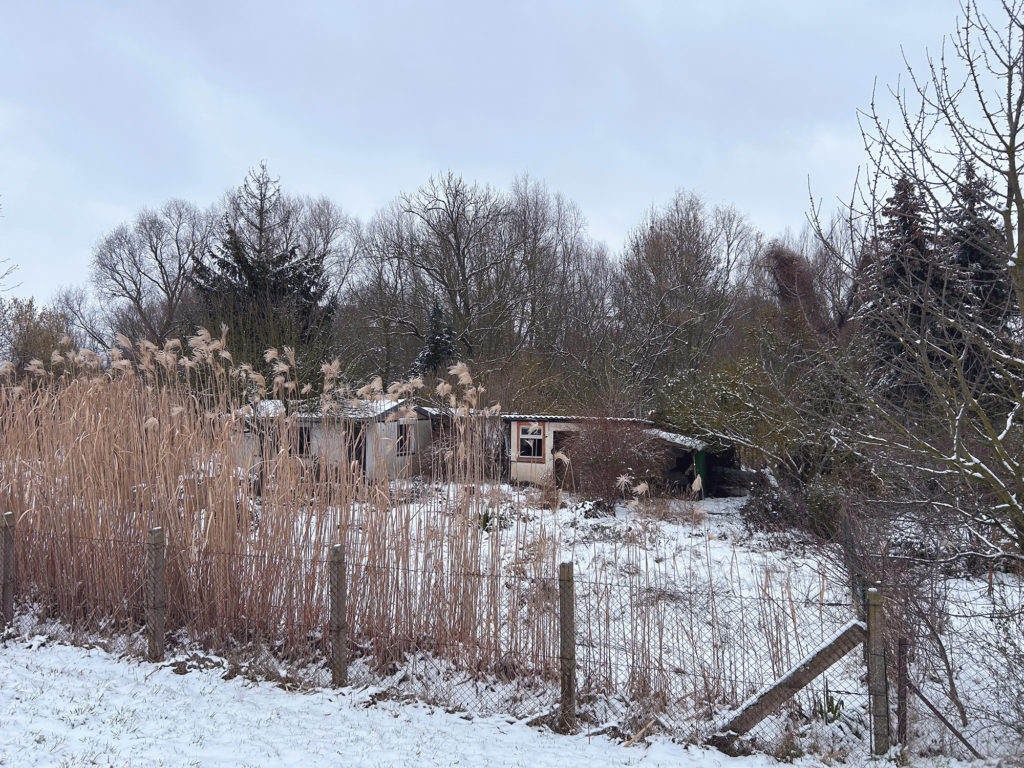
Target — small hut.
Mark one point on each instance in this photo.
(386, 437)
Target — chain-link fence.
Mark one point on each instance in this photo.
(689, 661)
(955, 663)
(85, 591)
(682, 660)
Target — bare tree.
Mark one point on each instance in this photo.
(89, 324)
(144, 270)
(379, 303)
(326, 231)
(6, 270)
(459, 254)
(675, 297)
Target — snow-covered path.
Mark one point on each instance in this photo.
(65, 706)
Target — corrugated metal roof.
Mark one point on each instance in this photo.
(558, 417)
(353, 409)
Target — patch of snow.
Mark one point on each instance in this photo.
(689, 443)
(75, 707)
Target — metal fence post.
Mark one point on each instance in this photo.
(878, 689)
(339, 617)
(6, 570)
(567, 647)
(156, 595)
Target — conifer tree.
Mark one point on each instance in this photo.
(908, 288)
(438, 347)
(980, 252)
(985, 301)
(256, 280)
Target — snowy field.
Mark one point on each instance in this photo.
(65, 706)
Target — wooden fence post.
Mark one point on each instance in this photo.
(567, 647)
(339, 617)
(156, 595)
(6, 570)
(901, 691)
(878, 690)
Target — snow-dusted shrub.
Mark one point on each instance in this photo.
(776, 506)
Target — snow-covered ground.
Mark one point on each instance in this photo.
(66, 706)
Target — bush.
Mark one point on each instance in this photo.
(605, 451)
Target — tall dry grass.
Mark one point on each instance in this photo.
(93, 453)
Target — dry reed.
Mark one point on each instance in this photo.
(95, 452)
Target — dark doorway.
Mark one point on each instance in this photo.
(563, 475)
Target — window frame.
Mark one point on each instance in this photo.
(540, 438)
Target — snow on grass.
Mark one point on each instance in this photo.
(66, 706)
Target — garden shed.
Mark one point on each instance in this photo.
(532, 442)
(386, 437)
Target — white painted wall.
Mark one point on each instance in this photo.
(529, 470)
(382, 459)
(330, 441)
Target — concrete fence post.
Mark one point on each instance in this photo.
(567, 647)
(878, 689)
(339, 617)
(156, 594)
(902, 692)
(6, 570)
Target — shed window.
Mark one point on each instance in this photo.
(406, 439)
(531, 441)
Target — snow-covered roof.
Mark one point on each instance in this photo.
(365, 409)
(355, 410)
(269, 409)
(689, 443)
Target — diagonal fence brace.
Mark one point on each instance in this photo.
(770, 698)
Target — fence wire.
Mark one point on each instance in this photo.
(650, 658)
(963, 676)
(683, 660)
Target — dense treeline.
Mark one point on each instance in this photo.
(509, 280)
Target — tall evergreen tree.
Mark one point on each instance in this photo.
(986, 302)
(909, 284)
(980, 252)
(258, 282)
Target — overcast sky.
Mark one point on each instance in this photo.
(108, 107)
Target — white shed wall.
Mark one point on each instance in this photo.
(541, 472)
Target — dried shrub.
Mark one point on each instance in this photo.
(607, 456)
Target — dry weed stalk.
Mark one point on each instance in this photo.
(95, 452)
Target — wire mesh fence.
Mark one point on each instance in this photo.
(684, 659)
(95, 596)
(956, 669)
